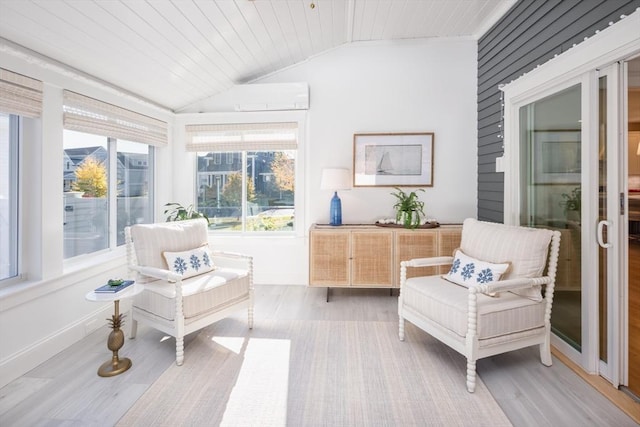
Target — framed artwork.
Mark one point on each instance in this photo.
(393, 159)
(557, 157)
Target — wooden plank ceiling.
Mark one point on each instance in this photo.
(177, 52)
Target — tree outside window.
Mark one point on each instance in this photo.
(91, 178)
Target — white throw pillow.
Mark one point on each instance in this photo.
(468, 271)
(190, 263)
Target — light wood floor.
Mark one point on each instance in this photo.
(67, 391)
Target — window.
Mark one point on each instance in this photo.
(86, 194)
(8, 196)
(254, 190)
(134, 177)
(107, 179)
(20, 99)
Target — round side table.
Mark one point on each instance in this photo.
(115, 340)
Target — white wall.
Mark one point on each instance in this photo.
(415, 85)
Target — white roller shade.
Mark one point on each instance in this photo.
(89, 115)
(242, 137)
(20, 94)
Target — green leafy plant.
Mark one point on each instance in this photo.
(177, 212)
(409, 208)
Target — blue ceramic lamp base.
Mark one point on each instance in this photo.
(335, 212)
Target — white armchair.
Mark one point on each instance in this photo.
(484, 316)
(187, 285)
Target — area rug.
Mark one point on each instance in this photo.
(315, 373)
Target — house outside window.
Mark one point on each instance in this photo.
(254, 189)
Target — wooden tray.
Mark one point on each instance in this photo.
(429, 225)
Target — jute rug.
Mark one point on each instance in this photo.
(315, 373)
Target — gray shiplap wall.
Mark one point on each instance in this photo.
(531, 33)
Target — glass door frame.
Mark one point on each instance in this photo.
(587, 358)
(579, 65)
(616, 170)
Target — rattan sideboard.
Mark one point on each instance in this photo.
(369, 256)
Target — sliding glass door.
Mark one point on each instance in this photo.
(571, 156)
(551, 194)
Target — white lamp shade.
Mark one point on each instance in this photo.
(638, 150)
(335, 179)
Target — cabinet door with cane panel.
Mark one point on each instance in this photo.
(372, 259)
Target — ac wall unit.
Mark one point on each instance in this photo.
(271, 97)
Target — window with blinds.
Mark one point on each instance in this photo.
(20, 99)
(108, 162)
(253, 188)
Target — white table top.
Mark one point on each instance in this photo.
(127, 292)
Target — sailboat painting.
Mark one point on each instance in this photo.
(393, 159)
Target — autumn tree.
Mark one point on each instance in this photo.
(91, 178)
(283, 168)
(232, 191)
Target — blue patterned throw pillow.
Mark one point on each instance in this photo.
(468, 271)
(190, 263)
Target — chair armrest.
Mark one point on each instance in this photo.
(511, 284)
(157, 273)
(428, 262)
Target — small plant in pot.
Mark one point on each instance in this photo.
(177, 212)
(409, 208)
(572, 204)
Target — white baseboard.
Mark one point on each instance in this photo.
(20, 363)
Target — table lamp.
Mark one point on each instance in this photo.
(335, 179)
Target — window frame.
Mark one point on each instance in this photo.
(244, 161)
(15, 241)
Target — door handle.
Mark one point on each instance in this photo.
(601, 241)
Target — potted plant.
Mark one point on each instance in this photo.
(177, 212)
(409, 208)
(572, 204)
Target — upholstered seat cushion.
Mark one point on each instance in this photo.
(446, 304)
(201, 294)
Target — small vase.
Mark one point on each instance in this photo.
(410, 219)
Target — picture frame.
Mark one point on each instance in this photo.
(557, 157)
(393, 159)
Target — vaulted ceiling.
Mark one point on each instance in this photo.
(177, 52)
